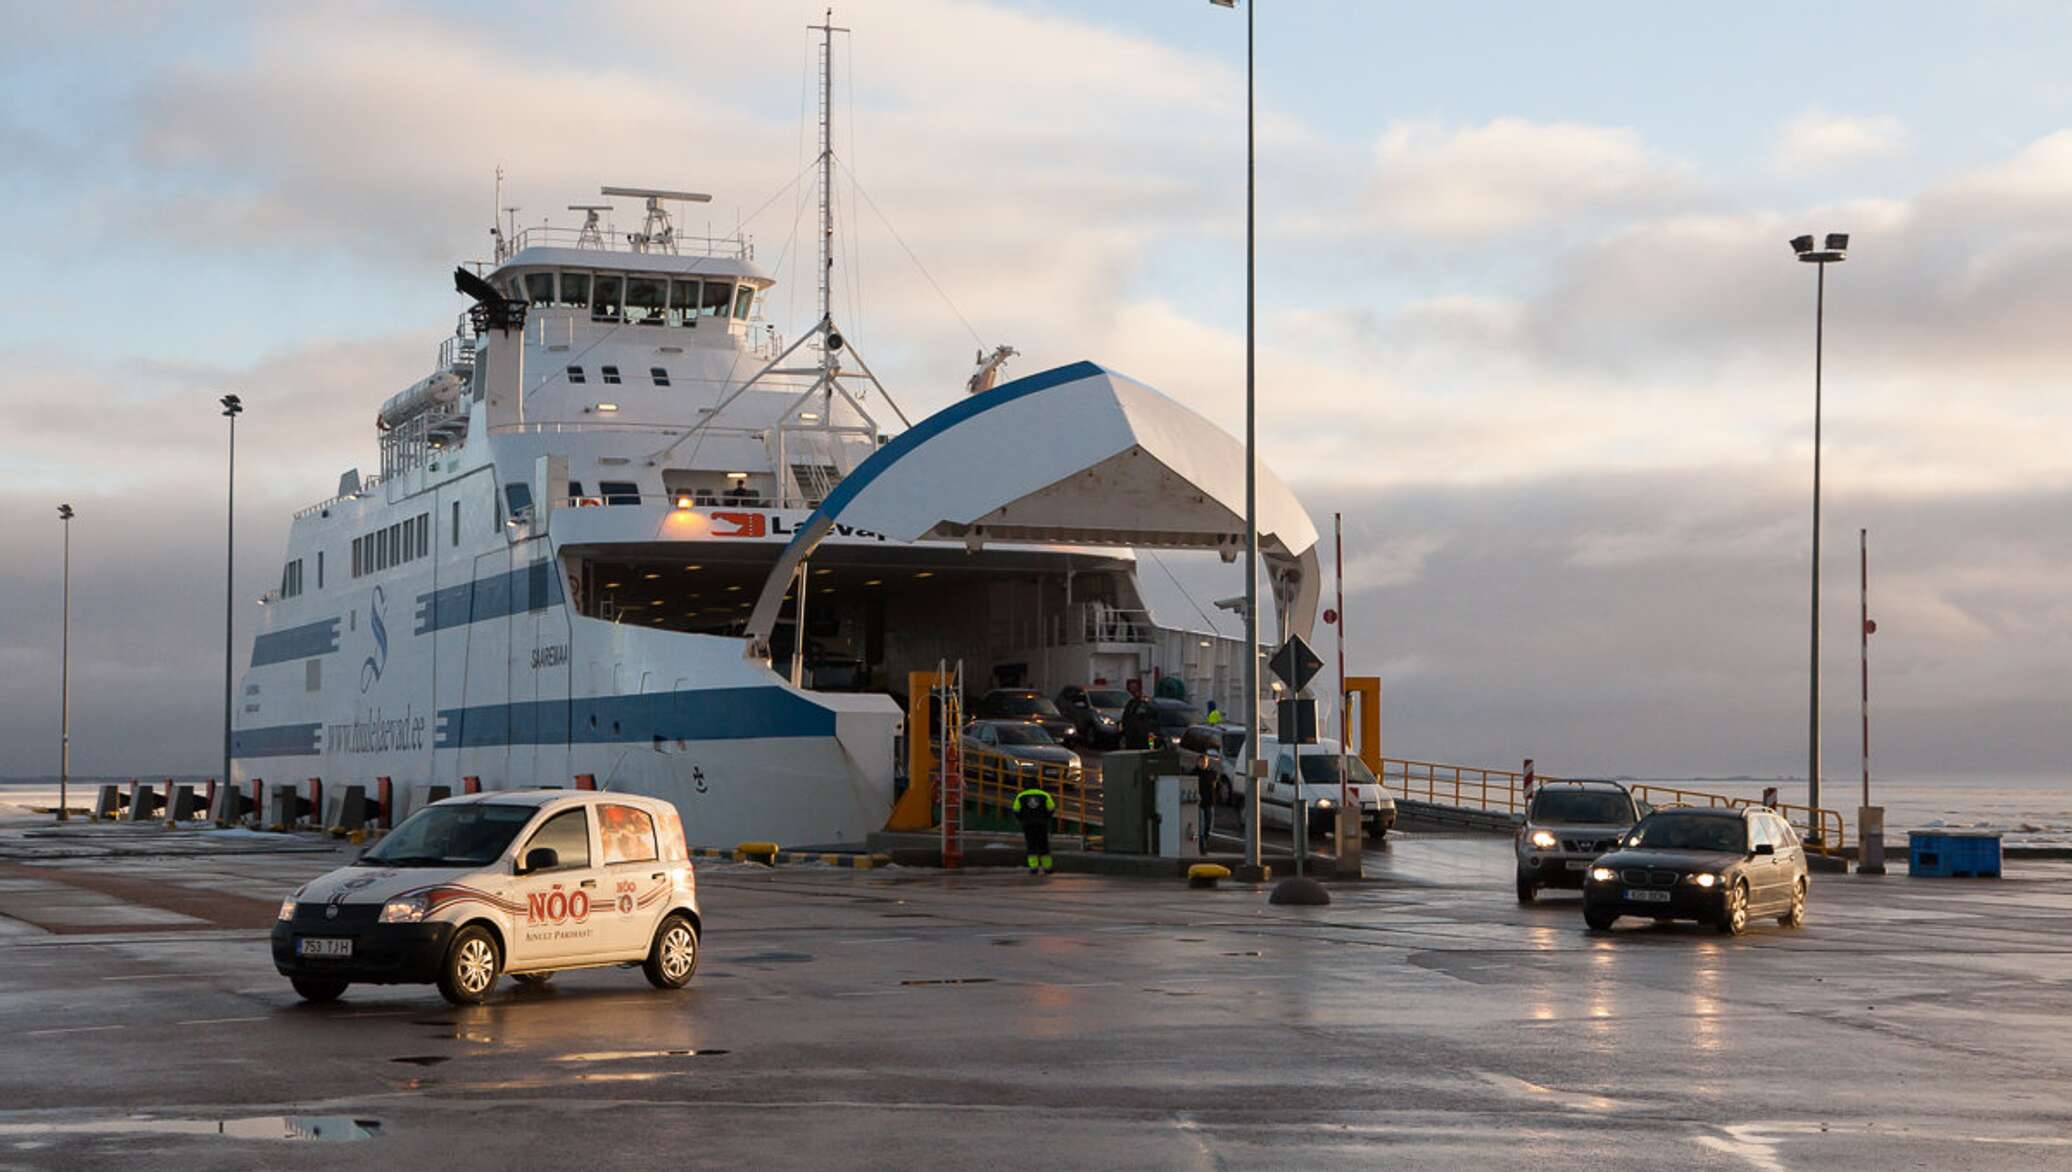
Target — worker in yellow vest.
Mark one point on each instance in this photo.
(1034, 808)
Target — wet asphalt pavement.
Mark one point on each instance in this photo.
(904, 1018)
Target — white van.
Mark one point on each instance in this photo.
(525, 882)
(1320, 788)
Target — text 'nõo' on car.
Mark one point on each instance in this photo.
(524, 882)
(1719, 866)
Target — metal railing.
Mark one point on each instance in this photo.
(991, 780)
(367, 488)
(682, 243)
(1503, 791)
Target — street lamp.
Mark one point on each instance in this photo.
(65, 673)
(1835, 250)
(1253, 721)
(232, 408)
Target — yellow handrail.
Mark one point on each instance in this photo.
(1502, 790)
(991, 780)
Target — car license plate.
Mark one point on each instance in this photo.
(1639, 896)
(1578, 864)
(324, 946)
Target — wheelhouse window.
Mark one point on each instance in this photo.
(619, 492)
(539, 288)
(744, 299)
(660, 374)
(717, 296)
(575, 291)
(647, 299)
(683, 303)
(518, 495)
(607, 299)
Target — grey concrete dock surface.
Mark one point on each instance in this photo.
(908, 1018)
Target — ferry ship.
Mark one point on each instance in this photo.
(625, 528)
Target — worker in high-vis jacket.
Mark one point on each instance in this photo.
(1035, 809)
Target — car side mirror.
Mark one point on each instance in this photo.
(1765, 848)
(541, 858)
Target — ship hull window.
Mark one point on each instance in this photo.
(646, 300)
(606, 299)
(611, 376)
(683, 303)
(575, 375)
(424, 542)
(575, 291)
(660, 374)
(539, 288)
(320, 569)
(744, 299)
(454, 528)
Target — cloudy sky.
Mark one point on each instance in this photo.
(1527, 316)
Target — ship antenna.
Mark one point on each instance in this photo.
(830, 338)
(496, 232)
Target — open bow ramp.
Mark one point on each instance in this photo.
(1076, 454)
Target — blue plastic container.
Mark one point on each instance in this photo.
(1954, 854)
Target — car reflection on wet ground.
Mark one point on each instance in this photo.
(909, 1018)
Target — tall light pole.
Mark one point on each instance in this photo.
(232, 408)
(1252, 714)
(65, 673)
(1836, 250)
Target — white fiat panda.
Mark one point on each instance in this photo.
(525, 882)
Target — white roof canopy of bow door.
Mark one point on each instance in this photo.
(1077, 454)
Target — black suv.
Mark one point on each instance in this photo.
(1568, 825)
(1030, 705)
(1718, 866)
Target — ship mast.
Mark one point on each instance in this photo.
(830, 338)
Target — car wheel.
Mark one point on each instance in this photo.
(1598, 919)
(673, 957)
(471, 966)
(1527, 889)
(1733, 917)
(318, 990)
(1795, 916)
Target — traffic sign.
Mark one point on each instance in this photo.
(1295, 663)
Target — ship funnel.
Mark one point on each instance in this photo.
(500, 322)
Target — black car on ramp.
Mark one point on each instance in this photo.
(1718, 866)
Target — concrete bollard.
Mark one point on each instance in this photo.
(352, 810)
(283, 807)
(108, 803)
(228, 806)
(181, 804)
(143, 803)
(437, 793)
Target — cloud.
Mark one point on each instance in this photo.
(1817, 141)
(1510, 174)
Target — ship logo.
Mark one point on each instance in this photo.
(371, 670)
(744, 525)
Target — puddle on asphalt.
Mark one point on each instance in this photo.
(949, 981)
(322, 1128)
(772, 958)
(423, 1059)
(632, 1055)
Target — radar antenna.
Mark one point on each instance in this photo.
(592, 234)
(656, 233)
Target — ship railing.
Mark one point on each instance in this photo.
(579, 426)
(457, 354)
(991, 781)
(367, 487)
(699, 498)
(1503, 791)
(1098, 622)
(683, 243)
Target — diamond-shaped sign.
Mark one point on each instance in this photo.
(1295, 663)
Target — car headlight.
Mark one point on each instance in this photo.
(287, 909)
(1703, 879)
(1603, 874)
(408, 910)
(1544, 840)
(1107, 722)
(1325, 804)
